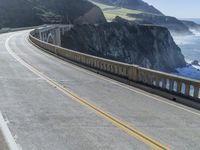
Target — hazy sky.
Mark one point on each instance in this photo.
(178, 8)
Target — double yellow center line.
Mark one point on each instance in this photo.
(118, 123)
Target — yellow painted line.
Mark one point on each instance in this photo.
(120, 84)
(118, 123)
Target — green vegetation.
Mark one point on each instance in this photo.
(111, 12)
(22, 13)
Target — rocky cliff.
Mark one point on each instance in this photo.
(192, 25)
(20, 13)
(148, 46)
(173, 24)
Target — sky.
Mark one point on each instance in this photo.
(177, 8)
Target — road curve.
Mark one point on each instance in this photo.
(35, 98)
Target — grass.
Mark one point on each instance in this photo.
(111, 12)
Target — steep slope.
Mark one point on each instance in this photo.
(147, 46)
(142, 13)
(196, 20)
(18, 13)
(173, 24)
(131, 4)
(192, 25)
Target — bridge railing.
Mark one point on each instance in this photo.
(6, 30)
(172, 83)
(166, 82)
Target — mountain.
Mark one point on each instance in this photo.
(146, 45)
(196, 20)
(172, 23)
(142, 13)
(20, 13)
(192, 25)
(131, 4)
(121, 40)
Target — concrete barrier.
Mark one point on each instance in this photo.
(183, 90)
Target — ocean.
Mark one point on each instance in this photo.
(190, 47)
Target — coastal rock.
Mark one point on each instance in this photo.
(147, 46)
(195, 62)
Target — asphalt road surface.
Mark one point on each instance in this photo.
(54, 105)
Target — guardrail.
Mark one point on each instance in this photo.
(173, 84)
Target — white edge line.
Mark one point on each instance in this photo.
(7, 136)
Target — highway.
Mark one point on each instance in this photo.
(51, 104)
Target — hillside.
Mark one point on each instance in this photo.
(148, 46)
(196, 20)
(138, 5)
(192, 25)
(111, 9)
(173, 24)
(19, 13)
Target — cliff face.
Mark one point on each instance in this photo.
(192, 25)
(131, 4)
(20, 13)
(173, 24)
(148, 46)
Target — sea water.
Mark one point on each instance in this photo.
(190, 47)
